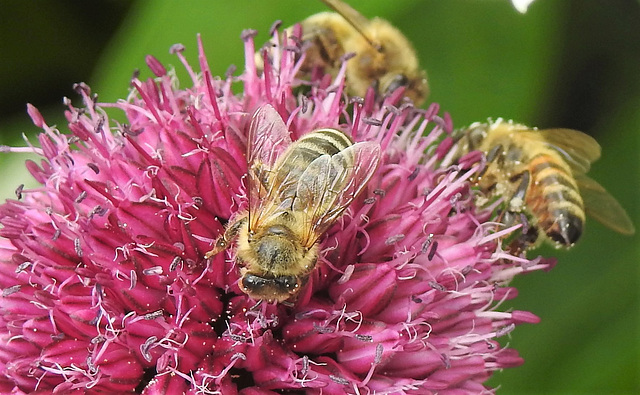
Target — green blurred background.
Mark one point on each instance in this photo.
(566, 63)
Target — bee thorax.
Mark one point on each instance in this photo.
(275, 249)
(278, 230)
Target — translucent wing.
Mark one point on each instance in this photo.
(356, 19)
(268, 139)
(268, 136)
(330, 184)
(603, 207)
(578, 149)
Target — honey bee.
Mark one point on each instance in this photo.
(384, 58)
(296, 191)
(543, 172)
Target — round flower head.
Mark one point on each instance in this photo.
(106, 288)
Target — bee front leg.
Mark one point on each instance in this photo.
(223, 242)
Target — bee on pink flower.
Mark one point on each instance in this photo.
(106, 285)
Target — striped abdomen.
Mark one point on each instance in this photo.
(554, 199)
(296, 160)
(313, 145)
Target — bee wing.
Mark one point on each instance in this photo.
(578, 149)
(268, 139)
(330, 184)
(603, 207)
(356, 19)
(268, 136)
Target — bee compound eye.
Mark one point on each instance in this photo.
(288, 282)
(250, 281)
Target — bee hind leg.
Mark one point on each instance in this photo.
(517, 200)
(516, 207)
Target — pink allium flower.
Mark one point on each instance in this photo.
(105, 288)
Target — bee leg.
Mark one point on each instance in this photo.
(257, 305)
(508, 217)
(493, 153)
(223, 242)
(491, 156)
(529, 234)
(516, 203)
